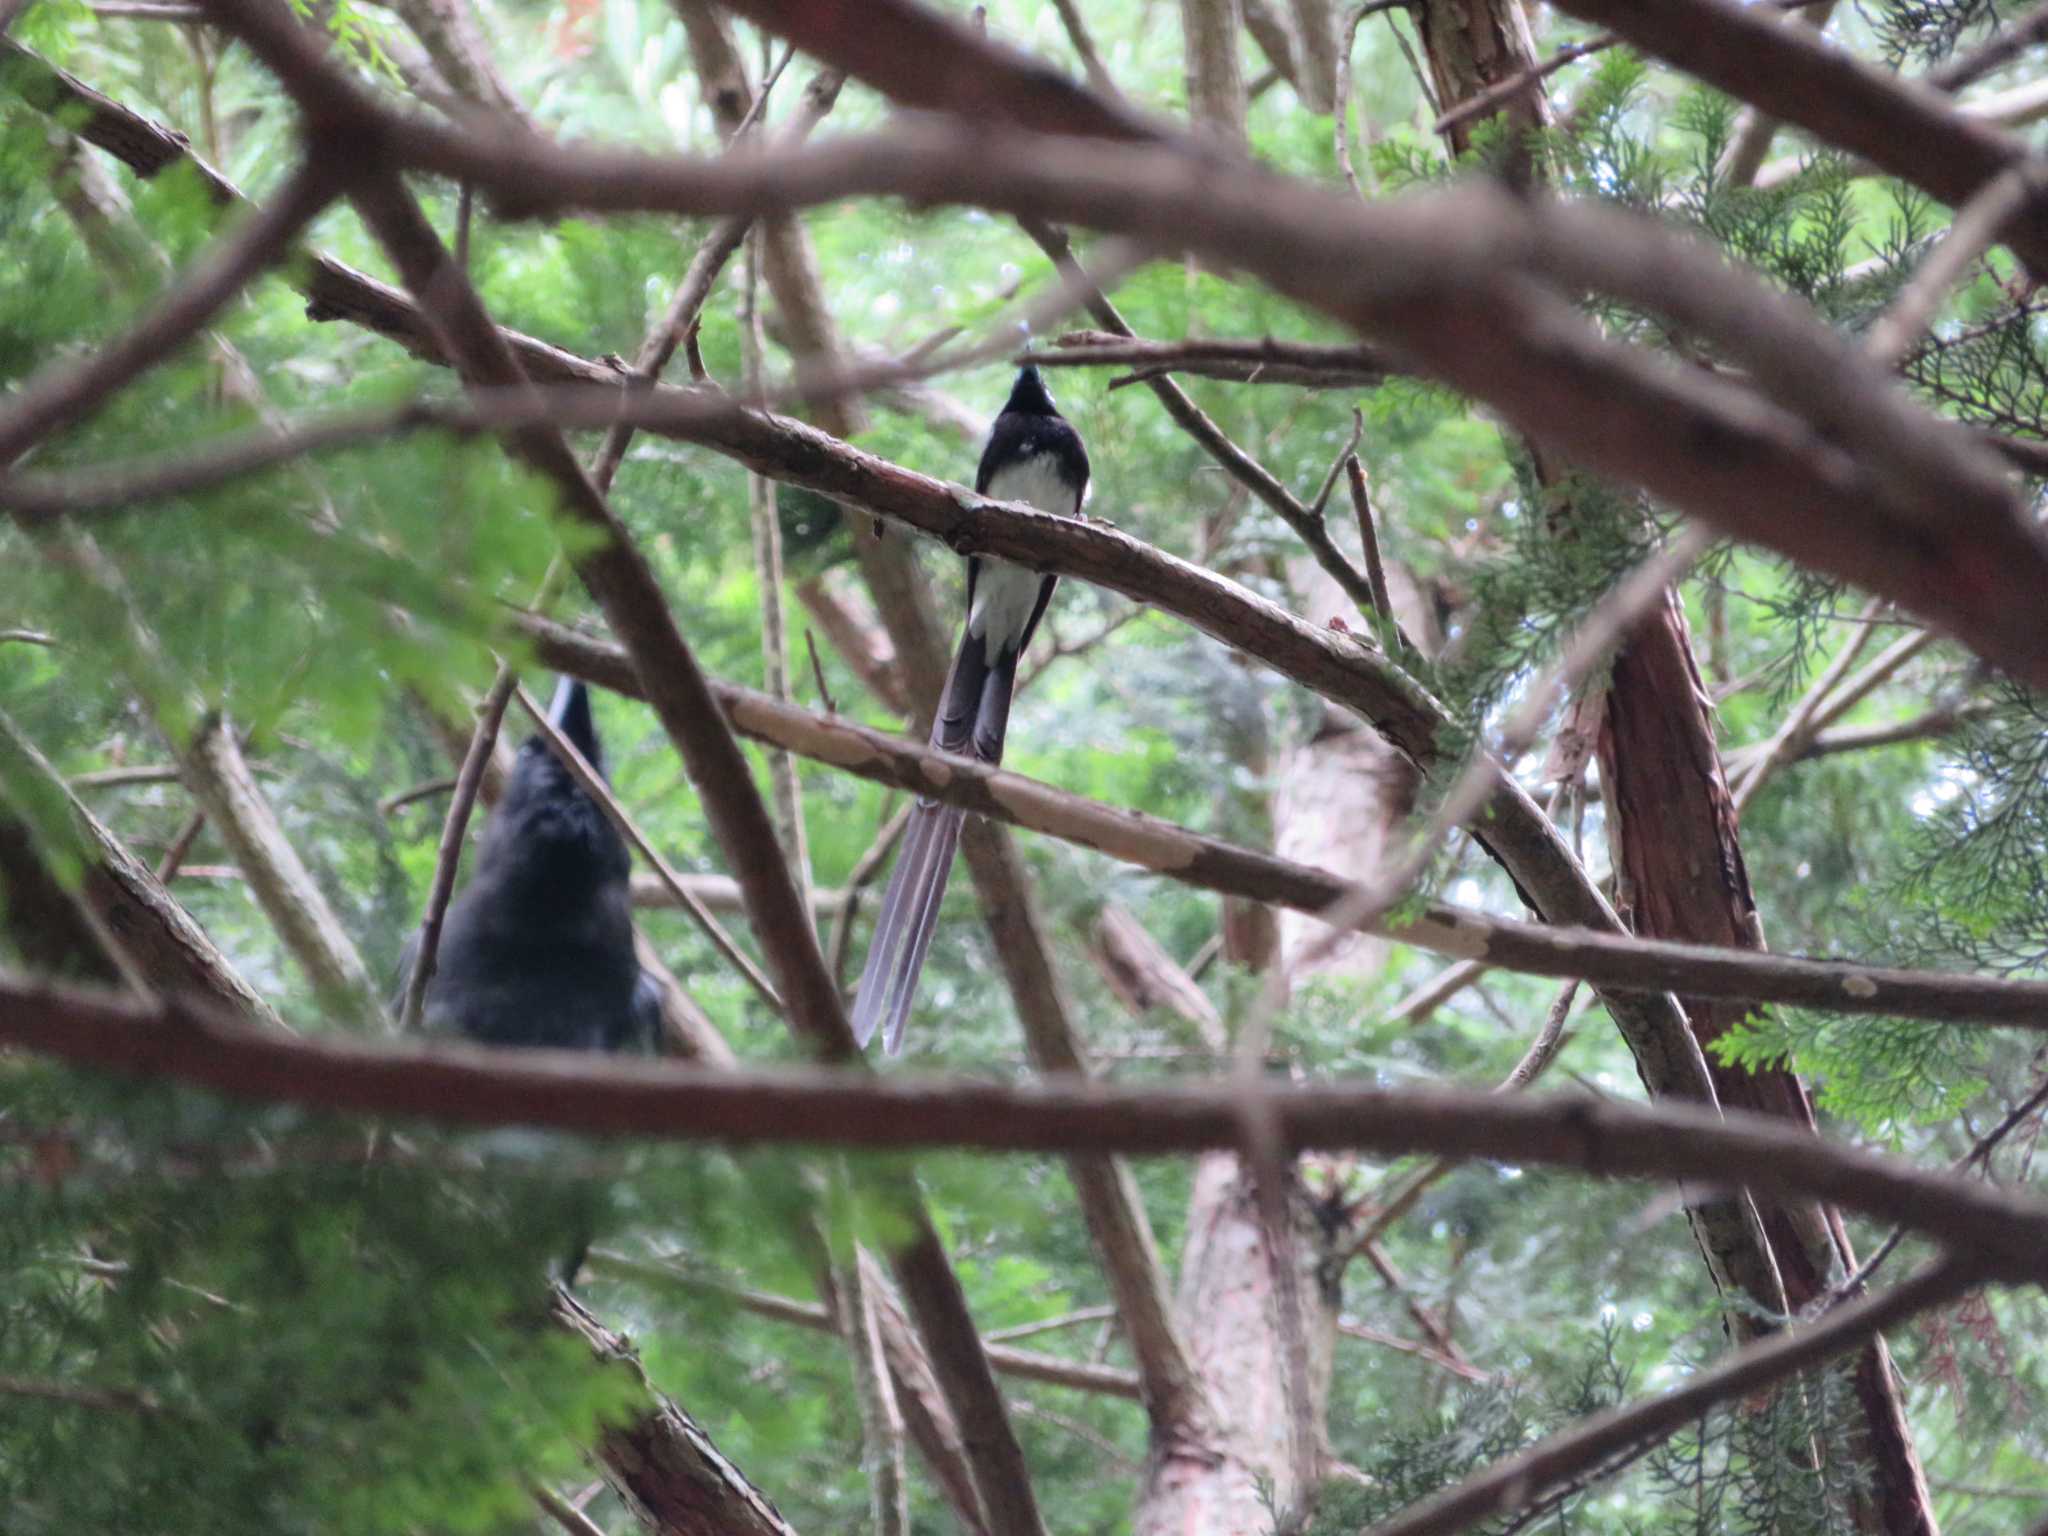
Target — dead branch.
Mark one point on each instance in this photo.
(1312, 365)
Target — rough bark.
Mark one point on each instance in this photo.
(660, 1459)
(1237, 1474)
(1672, 831)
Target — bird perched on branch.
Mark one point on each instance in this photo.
(1034, 456)
(538, 948)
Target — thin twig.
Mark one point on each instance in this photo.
(565, 1514)
(1345, 455)
(1534, 1062)
(174, 856)
(1797, 725)
(1368, 537)
(1495, 96)
(469, 778)
(2000, 49)
(1509, 1484)
(1976, 227)
(818, 674)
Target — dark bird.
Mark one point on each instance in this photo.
(538, 948)
(1033, 456)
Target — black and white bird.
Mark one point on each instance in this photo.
(538, 948)
(1034, 456)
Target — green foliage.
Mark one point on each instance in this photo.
(339, 1331)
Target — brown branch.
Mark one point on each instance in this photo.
(858, 880)
(1494, 97)
(619, 579)
(469, 779)
(65, 392)
(77, 1395)
(660, 1459)
(1084, 46)
(112, 914)
(1029, 1365)
(1511, 1484)
(927, 60)
(2000, 49)
(716, 893)
(1533, 1063)
(178, 1039)
(1614, 410)
(1369, 540)
(1791, 72)
(1104, 1187)
(1607, 959)
(1460, 1368)
(1308, 526)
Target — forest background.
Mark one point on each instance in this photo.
(1464, 383)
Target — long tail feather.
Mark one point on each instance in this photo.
(945, 839)
(973, 714)
(890, 925)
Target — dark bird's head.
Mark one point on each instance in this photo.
(1030, 397)
(546, 828)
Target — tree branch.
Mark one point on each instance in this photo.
(178, 1039)
(1609, 960)
(1518, 1481)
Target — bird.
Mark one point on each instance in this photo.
(538, 949)
(1033, 456)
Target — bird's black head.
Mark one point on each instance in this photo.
(1030, 397)
(546, 828)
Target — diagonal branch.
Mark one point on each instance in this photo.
(1791, 72)
(1517, 1481)
(1619, 964)
(65, 392)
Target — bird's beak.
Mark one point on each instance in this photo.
(570, 714)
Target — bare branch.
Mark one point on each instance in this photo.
(469, 779)
(1608, 960)
(2004, 1232)
(594, 786)
(1999, 50)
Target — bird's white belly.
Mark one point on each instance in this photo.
(1005, 594)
